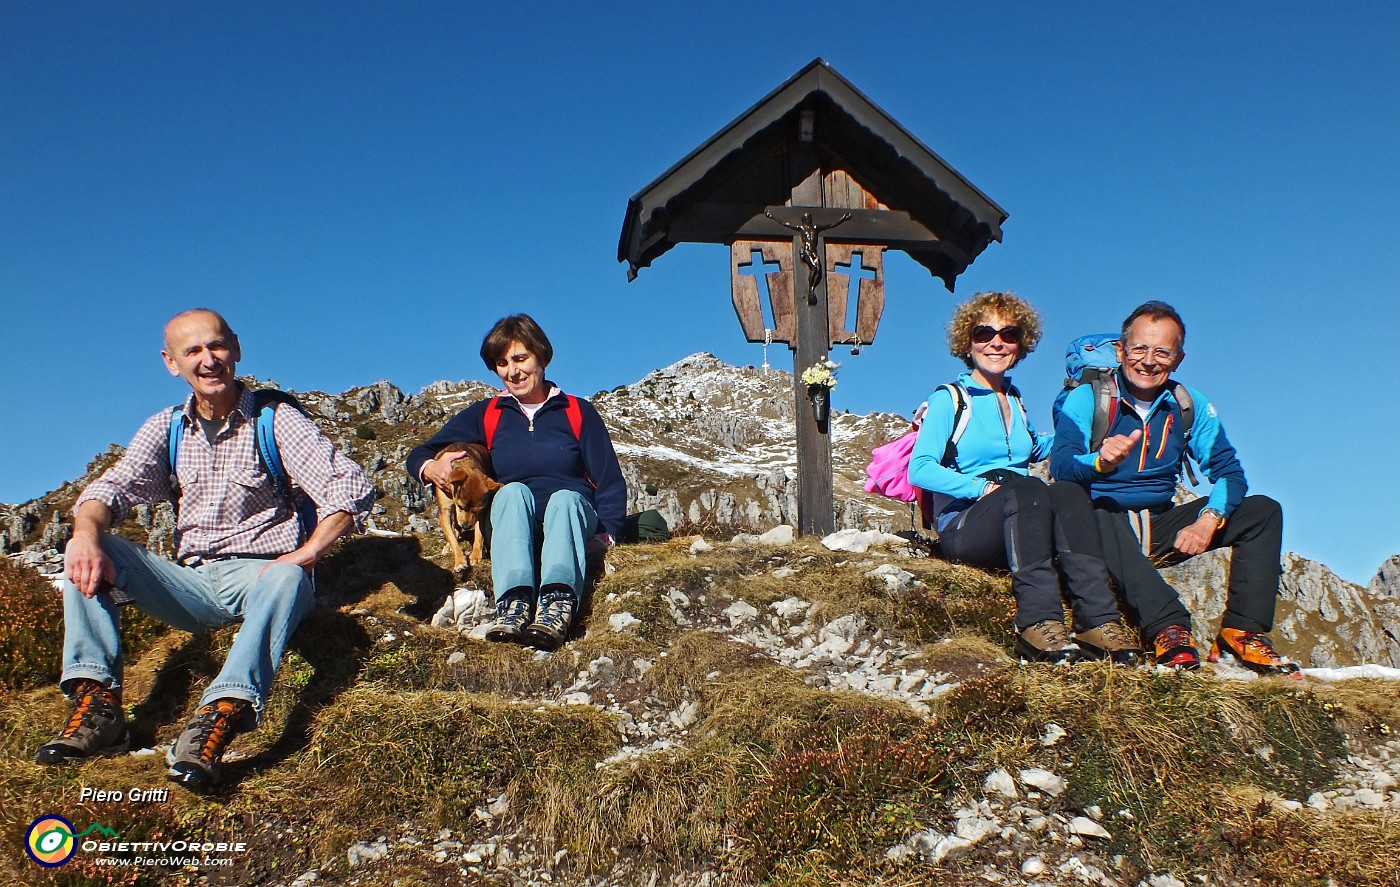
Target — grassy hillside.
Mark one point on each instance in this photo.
(743, 714)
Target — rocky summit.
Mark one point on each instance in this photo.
(711, 446)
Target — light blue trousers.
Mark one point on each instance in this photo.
(269, 598)
(559, 537)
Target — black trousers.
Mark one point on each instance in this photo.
(1254, 533)
(1043, 534)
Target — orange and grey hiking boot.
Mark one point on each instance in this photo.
(1111, 641)
(1177, 649)
(1047, 641)
(1253, 650)
(97, 726)
(197, 755)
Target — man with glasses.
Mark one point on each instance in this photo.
(1153, 424)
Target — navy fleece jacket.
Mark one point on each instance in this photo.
(543, 455)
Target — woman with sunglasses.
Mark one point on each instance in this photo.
(991, 513)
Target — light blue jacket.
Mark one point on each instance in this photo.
(988, 443)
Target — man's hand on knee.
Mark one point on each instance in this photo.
(1196, 538)
(87, 565)
(298, 558)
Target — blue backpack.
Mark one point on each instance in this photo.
(1092, 360)
(266, 400)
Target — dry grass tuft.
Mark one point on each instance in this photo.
(436, 756)
(695, 664)
(1183, 754)
(964, 656)
(843, 795)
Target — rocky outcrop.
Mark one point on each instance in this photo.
(1322, 620)
(1386, 583)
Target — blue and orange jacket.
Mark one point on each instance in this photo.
(1147, 478)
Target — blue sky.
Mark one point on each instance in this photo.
(363, 188)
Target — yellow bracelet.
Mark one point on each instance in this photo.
(1098, 466)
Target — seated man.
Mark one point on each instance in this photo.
(1131, 477)
(242, 554)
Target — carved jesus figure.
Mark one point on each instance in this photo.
(809, 230)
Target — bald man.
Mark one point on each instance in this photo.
(241, 552)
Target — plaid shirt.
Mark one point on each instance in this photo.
(228, 505)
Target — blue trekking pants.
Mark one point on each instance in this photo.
(269, 598)
(558, 536)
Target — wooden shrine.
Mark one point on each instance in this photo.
(809, 188)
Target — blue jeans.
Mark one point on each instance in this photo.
(518, 533)
(269, 602)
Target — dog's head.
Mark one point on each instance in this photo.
(471, 483)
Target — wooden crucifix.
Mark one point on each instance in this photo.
(810, 314)
(808, 188)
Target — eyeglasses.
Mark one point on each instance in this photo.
(982, 334)
(1140, 352)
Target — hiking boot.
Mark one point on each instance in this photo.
(197, 755)
(512, 615)
(1047, 641)
(1177, 649)
(1253, 650)
(551, 626)
(97, 726)
(1111, 641)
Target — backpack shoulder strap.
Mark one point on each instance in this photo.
(1188, 408)
(263, 421)
(1014, 394)
(1105, 387)
(962, 415)
(172, 449)
(1188, 419)
(575, 414)
(177, 434)
(491, 420)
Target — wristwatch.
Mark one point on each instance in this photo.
(1215, 513)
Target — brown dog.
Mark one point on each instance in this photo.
(462, 505)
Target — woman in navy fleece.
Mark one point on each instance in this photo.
(563, 486)
(991, 513)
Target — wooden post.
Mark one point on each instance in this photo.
(815, 508)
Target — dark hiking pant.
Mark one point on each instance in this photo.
(1254, 533)
(1027, 526)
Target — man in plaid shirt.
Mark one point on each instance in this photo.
(241, 553)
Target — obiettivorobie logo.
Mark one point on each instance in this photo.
(51, 841)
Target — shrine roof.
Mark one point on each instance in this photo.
(718, 192)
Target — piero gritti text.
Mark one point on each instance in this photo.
(124, 796)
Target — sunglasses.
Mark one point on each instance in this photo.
(983, 334)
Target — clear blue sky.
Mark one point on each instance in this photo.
(364, 187)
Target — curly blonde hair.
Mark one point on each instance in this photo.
(983, 306)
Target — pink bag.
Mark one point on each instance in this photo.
(888, 471)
